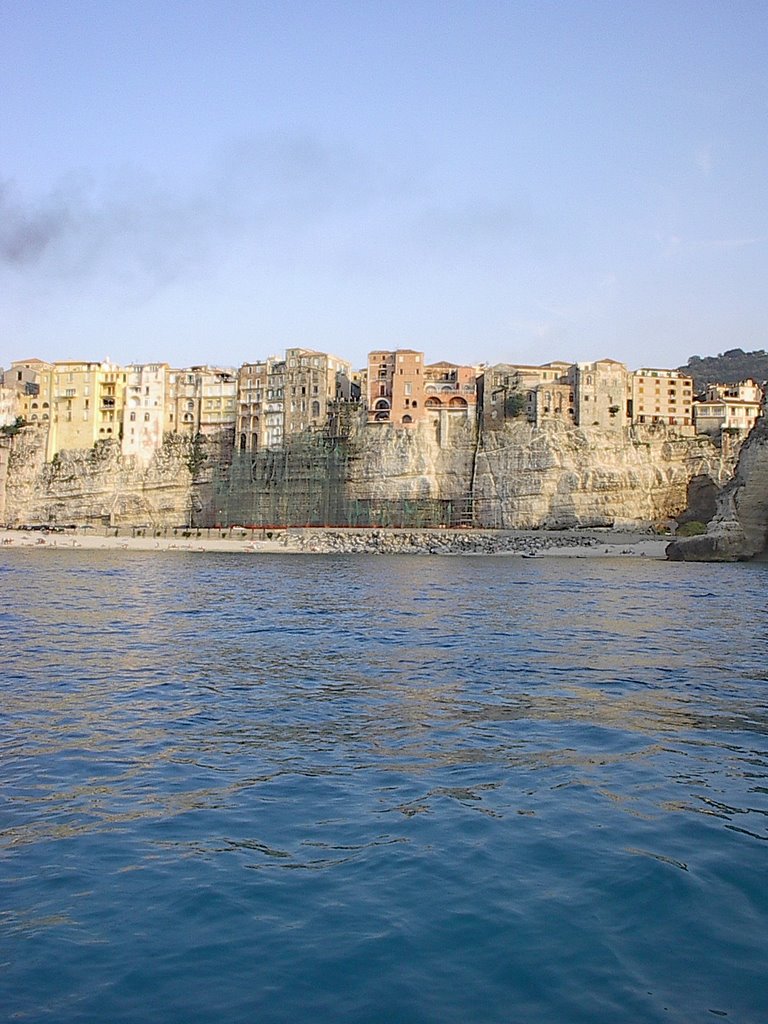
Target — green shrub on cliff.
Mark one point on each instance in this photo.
(692, 529)
(10, 429)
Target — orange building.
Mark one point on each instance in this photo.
(403, 390)
(395, 386)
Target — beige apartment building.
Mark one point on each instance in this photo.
(508, 390)
(600, 391)
(145, 418)
(734, 407)
(260, 404)
(311, 386)
(662, 396)
(201, 400)
(279, 397)
(31, 380)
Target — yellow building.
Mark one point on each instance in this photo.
(87, 402)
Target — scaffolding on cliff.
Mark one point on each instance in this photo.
(305, 483)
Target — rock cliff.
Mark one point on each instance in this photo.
(559, 477)
(97, 485)
(739, 529)
(518, 478)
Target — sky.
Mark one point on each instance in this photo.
(211, 182)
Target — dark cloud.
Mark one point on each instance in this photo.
(263, 195)
(26, 234)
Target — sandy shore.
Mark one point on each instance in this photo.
(538, 544)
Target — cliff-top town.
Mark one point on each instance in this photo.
(265, 402)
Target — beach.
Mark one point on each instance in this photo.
(593, 543)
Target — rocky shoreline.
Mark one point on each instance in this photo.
(528, 544)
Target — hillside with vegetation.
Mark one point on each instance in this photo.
(727, 368)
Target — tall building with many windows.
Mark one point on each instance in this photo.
(86, 402)
(282, 396)
(662, 396)
(144, 413)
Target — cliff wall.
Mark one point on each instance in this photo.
(559, 477)
(739, 529)
(441, 474)
(97, 485)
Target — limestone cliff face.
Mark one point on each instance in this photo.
(428, 461)
(556, 477)
(739, 530)
(97, 485)
(520, 477)
(524, 477)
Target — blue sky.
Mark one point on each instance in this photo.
(519, 181)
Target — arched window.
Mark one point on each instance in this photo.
(146, 417)
(242, 442)
(407, 419)
(315, 409)
(133, 416)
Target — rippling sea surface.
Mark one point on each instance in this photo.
(380, 789)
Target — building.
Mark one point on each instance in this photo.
(87, 400)
(218, 402)
(280, 397)
(733, 407)
(507, 391)
(202, 400)
(600, 392)
(395, 385)
(29, 378)
(402, 389)
(145, 419)
(451, 388)
(661, 396)
(312, 384)
(260, 400)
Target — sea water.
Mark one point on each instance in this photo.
(381, 789)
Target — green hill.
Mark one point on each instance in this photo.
(728, 368)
